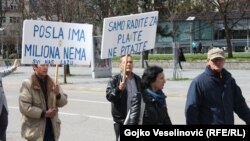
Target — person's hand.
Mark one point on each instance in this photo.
(51, 112)
(57, 89)
(122, 86)
(16, 63)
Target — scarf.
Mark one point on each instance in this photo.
(159, 96)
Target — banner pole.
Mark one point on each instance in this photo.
(124, 69)
(56, 81)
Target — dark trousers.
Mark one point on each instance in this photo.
(3, 124)
(117, 131)
(49, 134)
(179, 62)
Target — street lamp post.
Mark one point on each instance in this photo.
(191, 40)
(1, 33)
(191, 18)
(141, 9)
(17, 49)
(248, 38)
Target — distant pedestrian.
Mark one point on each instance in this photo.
(180, 56)
(214, 96)
(145, 57)
(194, 47)
(200, 47)
(3, 101)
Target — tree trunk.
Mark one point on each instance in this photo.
(228, 37)
(66, 71)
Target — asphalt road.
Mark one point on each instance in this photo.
(87, 115)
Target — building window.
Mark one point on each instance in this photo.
(3, 20)
(14, 19)
(13, 5)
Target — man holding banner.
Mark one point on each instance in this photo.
(39, 100)
(123, 35)
(120, 90)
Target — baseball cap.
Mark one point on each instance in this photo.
(215, 53)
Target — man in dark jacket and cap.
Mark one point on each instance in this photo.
(214, 95)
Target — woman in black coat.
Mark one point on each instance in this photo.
(181, 57)
(154, 111)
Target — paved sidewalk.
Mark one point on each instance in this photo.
(81, 75)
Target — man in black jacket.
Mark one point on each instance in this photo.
(120, 92)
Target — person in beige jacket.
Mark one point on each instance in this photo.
(39, 101)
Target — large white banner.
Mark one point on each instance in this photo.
(129, 34)
(46, 42)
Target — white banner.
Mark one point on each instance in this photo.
(129, 34)
(46, 42)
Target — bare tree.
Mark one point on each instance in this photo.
(169, 12)
(100, 9)
(1, 12)
(230, 12)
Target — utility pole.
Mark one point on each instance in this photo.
(1, 29)
(1, 14)
(191, 19)
(141, 9)
(17, 47)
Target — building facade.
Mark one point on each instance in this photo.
(209, 33)
(11, 28)
(206, 28)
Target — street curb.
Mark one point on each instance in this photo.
(192, 65)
